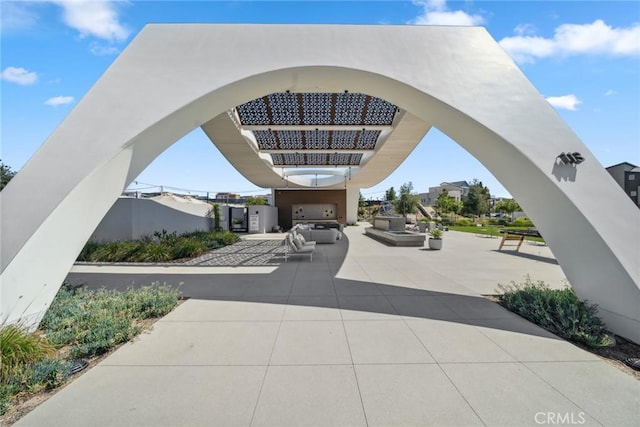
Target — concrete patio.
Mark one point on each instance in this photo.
(365, 334)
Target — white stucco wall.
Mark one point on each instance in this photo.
(267, 218)
(131, 218)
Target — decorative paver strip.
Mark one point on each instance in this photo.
(243, 253)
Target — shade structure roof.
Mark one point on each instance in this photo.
(316, 139)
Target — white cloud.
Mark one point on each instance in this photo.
(524, 49)
(435, 12)
(610, 92)
(16, 16)
(565, 102)
(19, 75)
(59, 100)
(94, 18)
(102, 50)
(525, 29)
(596, 38)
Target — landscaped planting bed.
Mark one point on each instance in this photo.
(161, 247)
(561, 312)
(80, 326)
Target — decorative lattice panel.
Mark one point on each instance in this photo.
(285, 108)
(316, 108)
(316, 159)
(317, 139)
(344, 139)
(355, 159)
(367, 139)
(349, 108)
(254, 112)
(379, 111)
(266, 140)
(290, 139)
(311, 109)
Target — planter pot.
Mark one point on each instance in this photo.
(435, 244)
(422, 226)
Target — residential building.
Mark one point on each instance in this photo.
(627, 175)
(458, 190)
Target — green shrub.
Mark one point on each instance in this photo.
(187, 248)
(522, 222)
(7, 392)
(18, 348)
(89, 322)
(152, 252)
(493, 221)
(48, 374)
(464, 222)
(115, 252)
(161, 247)
(558, 311)
(92, 322)
(106, 332)
(227, 238)
(151, 301)
(216, 217)
(165, 238)
(446, 221)
(88, 250)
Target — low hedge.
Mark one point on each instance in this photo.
(522, 222)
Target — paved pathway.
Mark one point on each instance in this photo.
(364, 335)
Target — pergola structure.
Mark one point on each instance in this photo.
(316, 140)
(317, 108)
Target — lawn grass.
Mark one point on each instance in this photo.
(491, 230)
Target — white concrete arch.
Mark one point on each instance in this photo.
(173, 78)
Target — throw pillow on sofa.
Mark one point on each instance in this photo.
(297, 241)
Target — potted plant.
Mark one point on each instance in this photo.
(435, 241)
(422, 225)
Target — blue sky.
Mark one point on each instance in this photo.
(583, 56)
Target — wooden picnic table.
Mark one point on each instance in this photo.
(517, 236)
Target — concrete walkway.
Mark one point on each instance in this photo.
(365, 334)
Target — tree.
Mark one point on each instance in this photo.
(407, 202)
(447, 204)
(390, 195)
(215, 214)
(476, 202)
(444, 202)
(254, 200)
(362, 206)
(509, 206)
(5, 174)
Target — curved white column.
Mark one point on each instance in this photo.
(173, 78)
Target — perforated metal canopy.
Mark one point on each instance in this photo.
(316, 129)
(316, 139)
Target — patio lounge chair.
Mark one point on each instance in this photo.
(296, 247)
